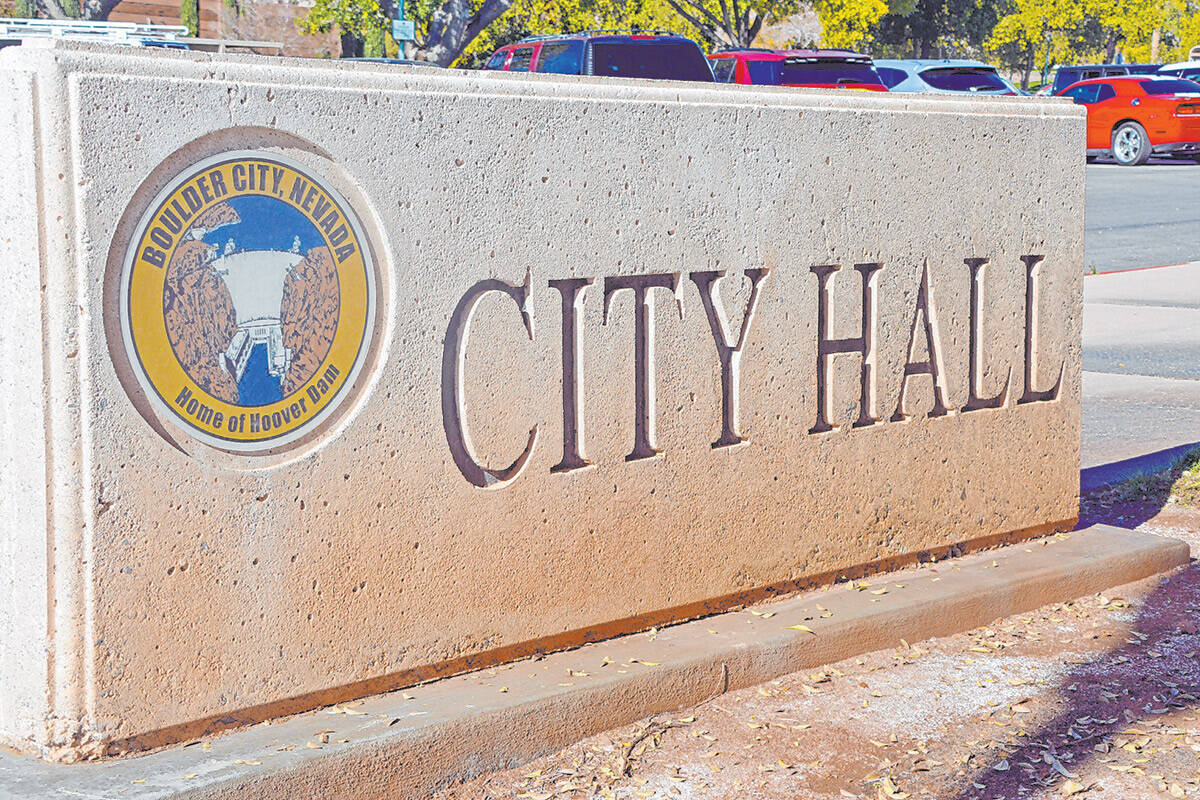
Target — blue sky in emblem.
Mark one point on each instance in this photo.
(267, 224)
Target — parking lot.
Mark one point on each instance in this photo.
(1144, 216)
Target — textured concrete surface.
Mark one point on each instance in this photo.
(24, 624)
(1142, 217)
(1141, 393)
(405, 745)
(462, 508)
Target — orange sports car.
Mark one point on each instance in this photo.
(1132, 117)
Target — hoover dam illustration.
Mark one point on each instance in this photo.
(251, 300)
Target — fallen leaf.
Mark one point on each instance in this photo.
(890, 790)
(804, 628)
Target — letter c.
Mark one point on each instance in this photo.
(453, 409)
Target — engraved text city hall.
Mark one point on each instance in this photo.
(923, 337)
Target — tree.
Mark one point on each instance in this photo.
(849, 23)
(734, 23)
(21, 9)
(936, 28)
(355, 19)
(1047, 32)
(1144, 30)
(1039, 33)
(68, 9)
(189, 16)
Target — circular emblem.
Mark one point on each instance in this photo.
(247, 301)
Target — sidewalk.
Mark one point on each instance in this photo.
(1141, 361)
(1098, 698)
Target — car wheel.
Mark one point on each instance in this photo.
(1130, 144)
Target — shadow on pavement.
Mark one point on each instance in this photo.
(1157, 670)
(1094, 478)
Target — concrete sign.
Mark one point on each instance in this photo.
(325, 379)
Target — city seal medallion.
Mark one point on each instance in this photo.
(247, 301)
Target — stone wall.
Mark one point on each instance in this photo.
(607, 354)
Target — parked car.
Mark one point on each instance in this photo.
(1132, 117)
(1181, 69)
(942, 75)
(165, 44)
(400, 62)
(1063, 76)
(658, 55)
(821, 69)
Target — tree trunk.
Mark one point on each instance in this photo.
(1027, 68)
(1155, 41)
(351, 46)
(452, 27)
(1110, 50)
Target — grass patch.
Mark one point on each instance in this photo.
(1179, 484)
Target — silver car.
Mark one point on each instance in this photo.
(944, 75)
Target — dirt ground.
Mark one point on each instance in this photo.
(1097, 698)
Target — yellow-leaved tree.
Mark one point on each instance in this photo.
(849, 23)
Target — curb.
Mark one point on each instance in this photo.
(1141, 269)
(408, 744)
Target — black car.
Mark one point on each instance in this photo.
(1065, 76)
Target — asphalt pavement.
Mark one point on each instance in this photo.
(1143, 216)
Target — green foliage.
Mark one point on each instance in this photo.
(849, 23)
(71, 8)
(1185, 490)
(189, 16)
(359, 19)
(373, 43)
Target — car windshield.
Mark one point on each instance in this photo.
(650, 58)
(804, 72)
(964, 79)
(1170, 86)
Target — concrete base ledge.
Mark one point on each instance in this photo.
(406, 745)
